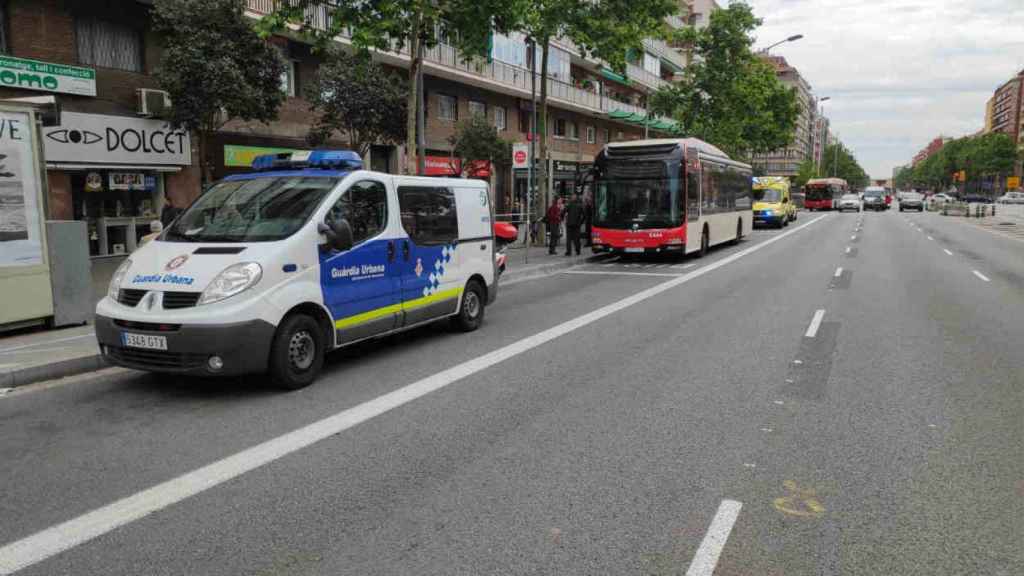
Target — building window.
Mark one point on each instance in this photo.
(652, 64)
(573, 130)
(591, 135)
(288, 78)
(560, 128)
(108, 45)
(447, 107)
(3, 28)
(477, 108)
(500, 120)
(607, 135)
(525, 121)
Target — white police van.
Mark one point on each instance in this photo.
(269, 270)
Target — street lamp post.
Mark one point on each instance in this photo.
(792, 38)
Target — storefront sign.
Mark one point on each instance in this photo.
(441, 166)
(20, 231)
(520, 155)
(242, 156)
(97, 138)
(560, 166)
(479, 169)
(127, 181)
(1013, 182)
(47, 77)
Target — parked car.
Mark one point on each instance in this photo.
(1011, 198)
(912, 201)
(941, 198)
(849, 202)
(977, 199)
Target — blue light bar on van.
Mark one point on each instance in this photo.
(323, 159)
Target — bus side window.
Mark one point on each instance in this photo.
(709, 189)
(692, 195)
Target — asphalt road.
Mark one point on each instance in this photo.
(846, 397)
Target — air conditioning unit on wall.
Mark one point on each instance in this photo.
(152, 102)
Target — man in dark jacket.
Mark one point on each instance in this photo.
(574, 216)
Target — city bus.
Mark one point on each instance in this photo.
(668, 195)
(824, 193)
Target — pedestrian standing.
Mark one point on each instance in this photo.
(573, 222)
(168, 213)
(554, 222)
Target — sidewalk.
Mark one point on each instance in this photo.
(36, 356)
(1008, 221)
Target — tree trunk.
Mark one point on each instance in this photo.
(413, 101)
(204, 163)
(541, 130)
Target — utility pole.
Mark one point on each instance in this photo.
(421, 128)
(532, 46)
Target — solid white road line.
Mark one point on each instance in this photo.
(685, 266)
(706, 558)
(839, 272)
(616, 273)
(812, 330)
(980, 275)
(56, 539)
(948, 253)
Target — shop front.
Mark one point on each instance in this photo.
(113, 172)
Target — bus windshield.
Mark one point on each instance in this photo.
(636, 195)
(255, 210)
(818, 193)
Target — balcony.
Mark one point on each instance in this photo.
(665, 52)
(448, 62)
(652, 81)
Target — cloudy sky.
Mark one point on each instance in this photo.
(900, 72)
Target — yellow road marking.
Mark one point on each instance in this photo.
(801, 502)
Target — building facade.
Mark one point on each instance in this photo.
(931, 149)
(112, 163)
(1006, 108)
(786, 161)
(821, 138)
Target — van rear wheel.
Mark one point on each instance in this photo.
(297, 352)
(471, 309)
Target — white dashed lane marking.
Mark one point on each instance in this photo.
(982, 276)
(812, 330)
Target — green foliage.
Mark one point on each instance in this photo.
(728, 96)
(839, 162)
(979, 157)
(904, 178)
(477, 139)
(354, 95)
(215, 67)
(807, 171)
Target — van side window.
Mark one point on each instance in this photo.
(365, 206)
(428, 214)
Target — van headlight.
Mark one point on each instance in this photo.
(232, 280)
(117, 278)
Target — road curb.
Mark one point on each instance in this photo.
(62, 369)
(529, 271)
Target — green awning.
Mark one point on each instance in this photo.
(612, 75)
(663, 125)
(619, 114)
(637, 119)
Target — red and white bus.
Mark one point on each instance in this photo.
(824, 193)
(668, 195)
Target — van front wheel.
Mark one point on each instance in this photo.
(297, 352)
(471, 310)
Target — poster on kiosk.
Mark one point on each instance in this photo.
(24, 272)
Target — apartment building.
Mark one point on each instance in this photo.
(1006, 106)
(103, 169)
(700, 12)
(786, 162)
(931, 149)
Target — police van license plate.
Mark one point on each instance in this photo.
(634, 250)
(144, 341)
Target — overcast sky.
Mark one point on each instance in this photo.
(900, 72)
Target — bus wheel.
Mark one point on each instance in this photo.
(705, 242)
(297, 352)
(739, 232)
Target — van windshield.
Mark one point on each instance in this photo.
(256, 210)
(770, 195)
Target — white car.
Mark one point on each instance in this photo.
(850, 202)
(1011, 198)
(268, 271)
(941, 198)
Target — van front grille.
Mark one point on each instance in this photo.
(156, 359)
(175, 300)
(130, 297)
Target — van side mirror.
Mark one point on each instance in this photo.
(338, 233)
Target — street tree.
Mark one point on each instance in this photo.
(808, 170)
(904, 178)
(354, 96)
(477, 140)
(603, 29)
(727, 95)
(215, 68)
(407, 26)
(840, 163)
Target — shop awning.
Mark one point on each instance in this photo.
(612, 75)
(125, 167)
(663, 125)
(639, 119)
(619, 114)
